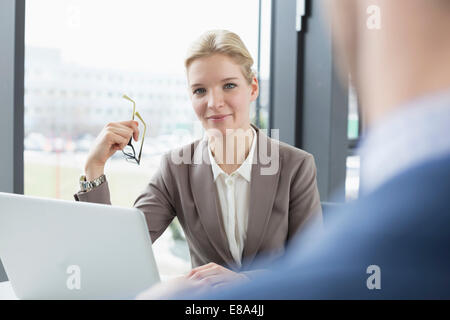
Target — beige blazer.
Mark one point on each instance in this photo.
(283, 200)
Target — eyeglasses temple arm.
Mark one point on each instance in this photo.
(134, 104)
(143, 136)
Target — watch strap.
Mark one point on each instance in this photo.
(86, 186)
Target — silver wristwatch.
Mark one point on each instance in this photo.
(86, 186)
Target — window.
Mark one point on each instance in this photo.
(95, 55)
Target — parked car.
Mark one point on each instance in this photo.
(84, 143)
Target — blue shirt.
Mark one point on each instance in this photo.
(417, 132)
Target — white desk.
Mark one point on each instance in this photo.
(7, 292)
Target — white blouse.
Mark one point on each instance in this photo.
(234, 196)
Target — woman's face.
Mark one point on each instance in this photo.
(220, 94)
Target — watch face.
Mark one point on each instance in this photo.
(84, 185)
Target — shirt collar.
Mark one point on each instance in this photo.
(246, 167)
(416, 133)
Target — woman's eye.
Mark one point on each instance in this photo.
(230, 86)
(199, 91)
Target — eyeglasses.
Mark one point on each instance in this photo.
(129, 151)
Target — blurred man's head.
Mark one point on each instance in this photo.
(395, 50)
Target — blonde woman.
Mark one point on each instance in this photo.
(237, 193)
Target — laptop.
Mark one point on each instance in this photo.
(57, 249)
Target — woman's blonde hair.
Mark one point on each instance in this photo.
(222, 42)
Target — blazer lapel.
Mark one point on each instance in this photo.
(262, 195)
(207, 202)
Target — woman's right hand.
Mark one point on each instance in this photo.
(113, 137)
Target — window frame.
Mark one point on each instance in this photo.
(12, 39)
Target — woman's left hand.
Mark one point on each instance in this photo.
(215, 275)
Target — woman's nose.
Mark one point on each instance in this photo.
(215, 99)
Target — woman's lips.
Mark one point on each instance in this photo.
(219, 118)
